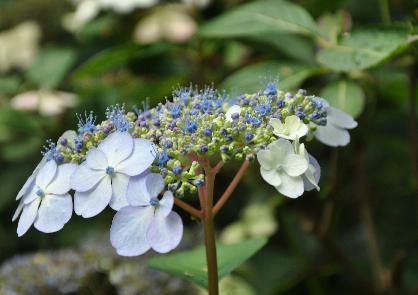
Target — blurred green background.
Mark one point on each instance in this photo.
(358, 234)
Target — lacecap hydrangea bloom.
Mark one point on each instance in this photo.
(142, 162)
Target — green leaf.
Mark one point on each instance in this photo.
(345, 95)
(110, 58)
(192, 264)
(260, 17)
(294, 46)
(364, 48)
(9, 84)
(51, 67)
(252, 78)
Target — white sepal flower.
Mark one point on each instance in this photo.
(149, 222)
(292, 127)
(313, 173)
(283, 168)
(48, 205)
(335, 132)
(235, 109)
(103, 178)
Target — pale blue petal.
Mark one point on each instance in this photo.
(340, 119)
(96, 159)
(166, 203)
(332, 136)
(31, 180)
(136, 193)
(84, 178)
(117, 147)
(128, 233)
(165, 232)
(119, 187)
(46, 174)
(141, 158)
(55, 211)
(60, 185)
(92, 202)
(28, 217)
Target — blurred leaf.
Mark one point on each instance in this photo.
(192, 264)
(9, 84)
(51, 67)
(331, 26)
(20, 150)
(275, 271)
(345, 95)
(110, 58)
(260, 17)
(364, 48)
(294, 46)
(252, 78)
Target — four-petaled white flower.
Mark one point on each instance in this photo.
(335, 132)
(103, 178)
(45, 199)
(283, 168)
(313, 173)
(148, 222)
(292, 127)
(235, 109)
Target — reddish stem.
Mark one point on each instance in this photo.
(222, 200)
(186, 207)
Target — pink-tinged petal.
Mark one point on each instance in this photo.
(46, 174)
(31, 180)
(291, 187)
(96, 159)
(28, 217)
(340, 119)
(119, 187)
(128, 233)
(136, 193)
(117, 147)
(166, 203)
(141, 158)
(90, 203)
(332, 136)
(271, 176)
(84, 178)
(55, 211)
(165, 232)
(60, 185)
(294, 165)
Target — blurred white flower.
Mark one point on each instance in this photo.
(87, 10)
(335, 132)
(46, 102)
(46, 204)
(282, 168)
(148, 222)
(292, 127)
(19, 46)
(171, 23)
(103, 178)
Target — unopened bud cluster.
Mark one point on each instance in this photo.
(194, 124)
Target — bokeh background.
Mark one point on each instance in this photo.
(358, 234)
